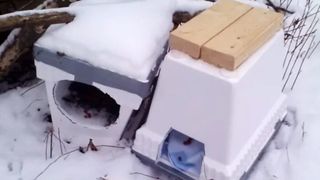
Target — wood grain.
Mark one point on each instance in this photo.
(241, 39)
(191, 36)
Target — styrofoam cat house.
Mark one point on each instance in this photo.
(119, 59)
(59, 71)
(211, 118)
(232, 113)
(211, 114)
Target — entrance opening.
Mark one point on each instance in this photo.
(181, 155)
(85, 104)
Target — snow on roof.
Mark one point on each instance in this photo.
(125, 37)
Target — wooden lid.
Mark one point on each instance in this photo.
(226, 34)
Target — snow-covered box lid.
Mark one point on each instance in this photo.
(124, 37)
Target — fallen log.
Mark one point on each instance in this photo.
(37, 19)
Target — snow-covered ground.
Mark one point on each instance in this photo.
(25, 142)
(23, 132)
(298, 158)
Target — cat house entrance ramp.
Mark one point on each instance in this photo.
(218, 100)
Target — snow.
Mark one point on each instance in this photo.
(21, 128)
(125, 37)
(22, 139)
(299, 158)
(192, 6)
(294, 5)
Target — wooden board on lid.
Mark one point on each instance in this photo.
(226, 34)
(190, 37)
(240, 40)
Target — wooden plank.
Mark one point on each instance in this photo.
(240, 40)
(191, 36)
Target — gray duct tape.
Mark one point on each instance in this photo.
(87, 73)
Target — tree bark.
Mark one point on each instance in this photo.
(44, 19)
(32, 27)
(22, 43)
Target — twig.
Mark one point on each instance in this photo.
(281, 2)
(307, 34)
(301, 64)
(311, 28)
(36, 85)
(294, 23)
(60, 142)
(304, 41)
(288, 4)
(51, 144)
(25, 5)
(46, 149)
(51, 133)
(54, 161)
(314, 49)
(290, 43)
(278, 8)
(287, 30)
(297, 43)
(66, 154)
(303, 132)
(111, 146)
(91, 146)
(34, 101)
(299, 23)
(102, 178)
(287, 152)
(300, 41)
(146, 175)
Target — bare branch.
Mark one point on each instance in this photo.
(300, 36)
(278, 8)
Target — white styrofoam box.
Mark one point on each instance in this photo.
(231, 112)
